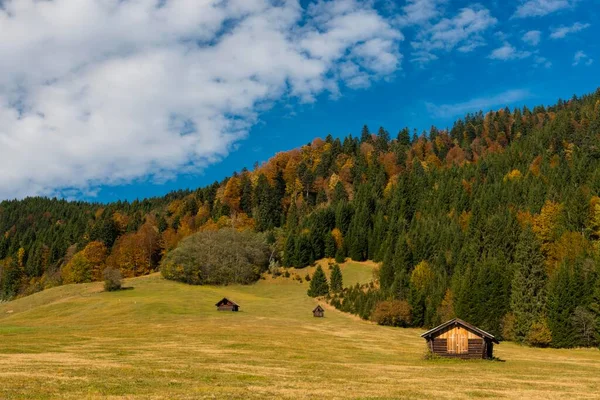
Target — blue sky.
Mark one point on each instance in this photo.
(308, 70)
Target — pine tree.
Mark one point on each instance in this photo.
(340, 256)
(595, 308)
(404, 137)
(339, 193)
(329, 245)
(303, 256)
(336, 279)
(528, 297)
(365, 135)
(289, 256)
(318, 284)
(382, 141)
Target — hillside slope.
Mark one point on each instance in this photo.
(165, 339)
(495, 220)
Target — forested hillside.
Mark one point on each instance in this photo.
(496, 220)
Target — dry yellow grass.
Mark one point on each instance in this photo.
(165, 340)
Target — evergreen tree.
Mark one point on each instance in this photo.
(528, 297)
(290, 251)
(595, 308)
(318, 284)
(365, 135)
(303, 256)
(339, 193)
(404, 137)
(382, 141)
(329, 245)
(340, 256)
(336, 279)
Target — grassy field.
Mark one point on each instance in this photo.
(163, 339)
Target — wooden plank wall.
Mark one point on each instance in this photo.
(459, 342)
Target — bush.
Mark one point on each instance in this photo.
(392, 313)
(539, 334)
(217, 258)
(112, 279)
(307, 278)
(274, 268)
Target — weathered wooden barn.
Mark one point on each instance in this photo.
(457, 338)
(319, 312)
(227, 305)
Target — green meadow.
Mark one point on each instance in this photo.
(163, 339)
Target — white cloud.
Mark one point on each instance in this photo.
(582, 58)
(532, 38)
(508, 52)
(97, 92)
(561, 32)
(540, 8)
(419, 12)
(477, 104)
(463, 31)
(540, 61)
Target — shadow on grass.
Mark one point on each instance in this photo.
(119, 290)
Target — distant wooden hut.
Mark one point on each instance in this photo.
(319, 312)
(227, 305)
(459, 339)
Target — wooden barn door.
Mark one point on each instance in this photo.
(458, 341)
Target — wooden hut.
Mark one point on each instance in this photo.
(459, 339)
(318, 312)
(227, 305)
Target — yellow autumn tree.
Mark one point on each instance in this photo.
(77, 270)
(338, 237)
(95, 253)
(232, 194)
(513, 175)
(545, 225)
(422, 276)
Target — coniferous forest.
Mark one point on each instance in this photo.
(495, 220)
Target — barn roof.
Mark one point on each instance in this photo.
(458, 321)
(226, 300)
(318, 308)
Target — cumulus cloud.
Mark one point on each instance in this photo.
(561, 32)
(462, 32)
(508, 52)
(532, 38)
(96, 92)
(582, 58)
(419, 12)
(477, 104)
(540, 8)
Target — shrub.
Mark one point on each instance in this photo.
(112, 279)
(392, 313)
(307, 278)
(217, 258)
(287, 274)
(539, 334)
(274, 268)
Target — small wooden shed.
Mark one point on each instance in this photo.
(459, 339)
(319, 312)
(227, 305)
